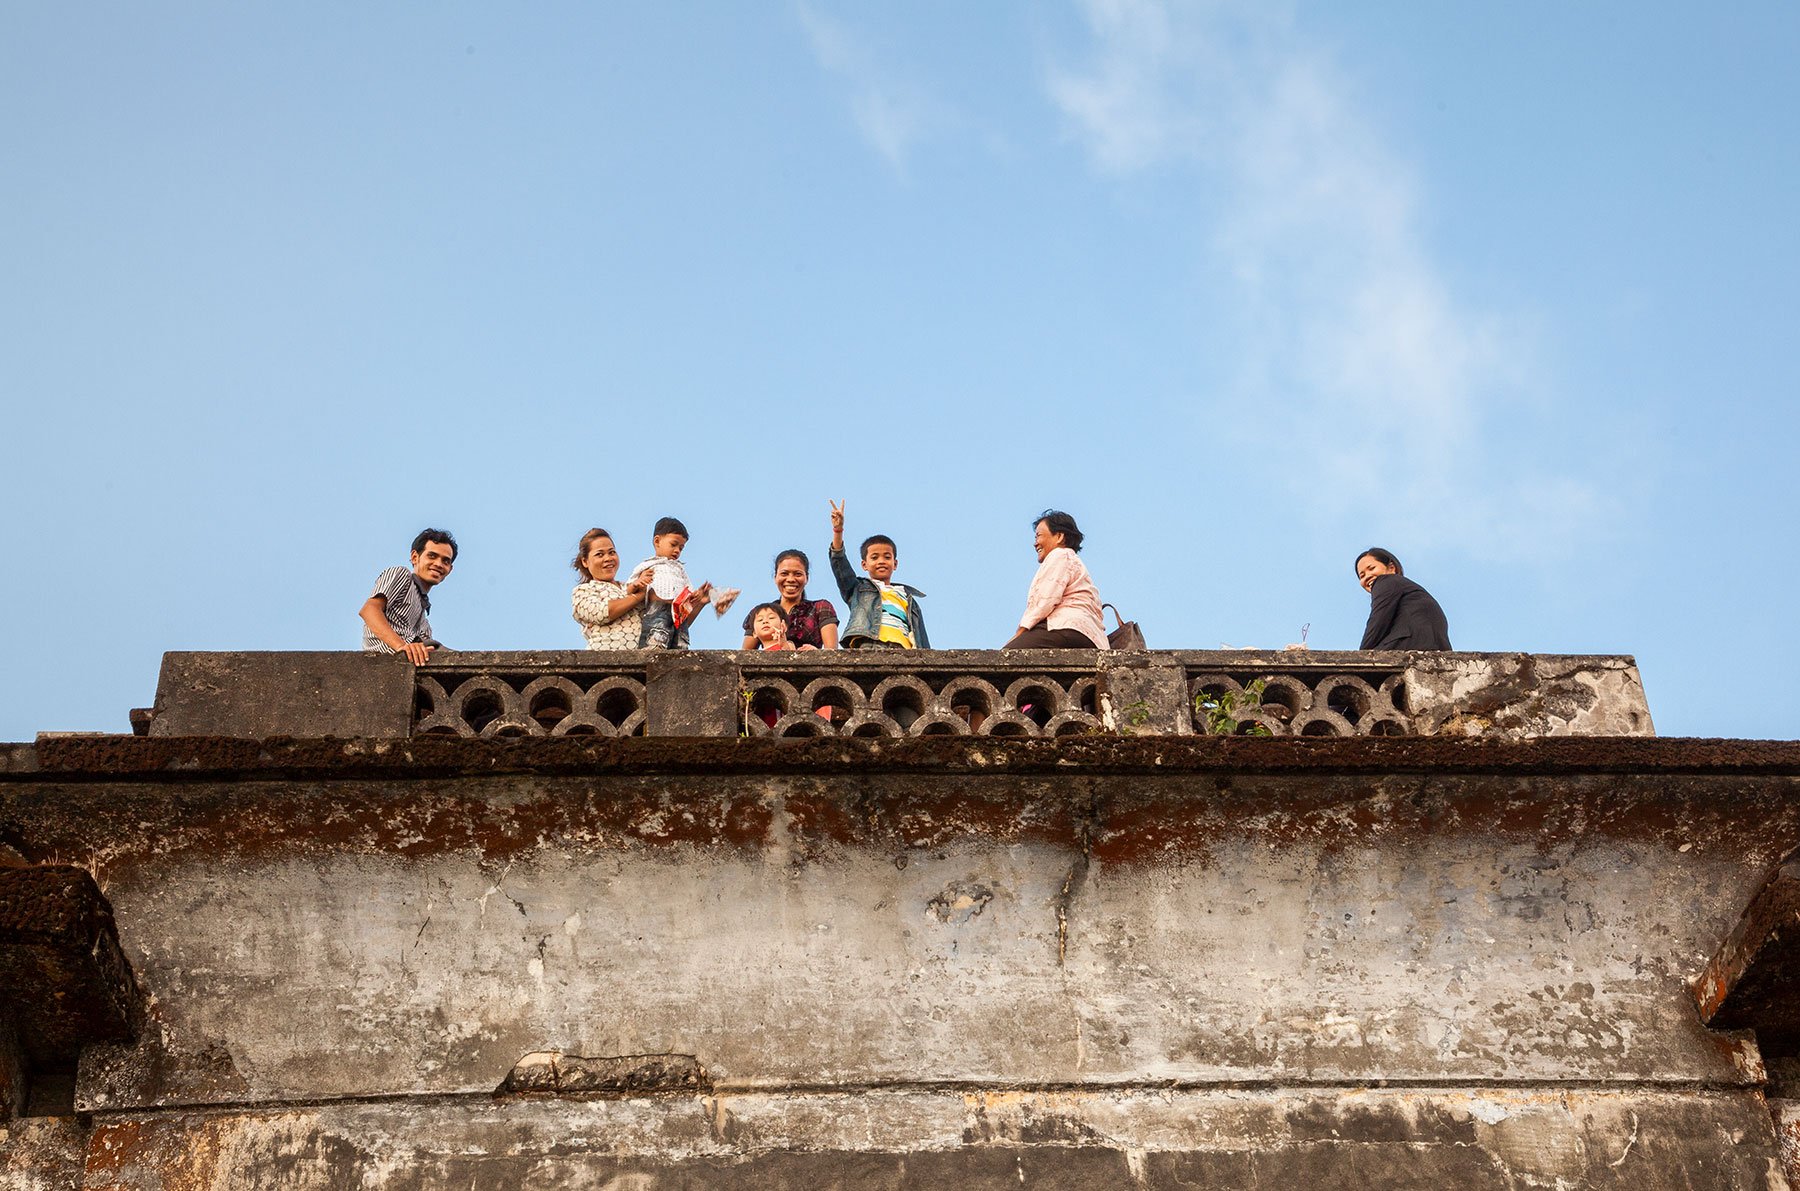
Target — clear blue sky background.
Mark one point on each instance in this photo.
(1510, 289)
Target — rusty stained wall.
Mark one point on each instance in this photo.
(1368, 1138)
(1204, 949)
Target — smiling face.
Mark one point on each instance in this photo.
(879, 561)
(433, 563)
(669, 545)
(790, 580)
(1043, 541)
(767, 627)
(601, 560)
(1369, 569)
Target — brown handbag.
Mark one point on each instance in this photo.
(1127, 635)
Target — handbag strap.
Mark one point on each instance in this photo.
(1120, 620)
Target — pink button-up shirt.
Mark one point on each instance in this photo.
(1064, 597)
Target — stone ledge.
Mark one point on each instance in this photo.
(1000, 1139)
(183, 759)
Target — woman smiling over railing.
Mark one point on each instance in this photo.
(811, 624)
(610, 613)
(1062, 609)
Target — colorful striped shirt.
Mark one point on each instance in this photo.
(896, 625)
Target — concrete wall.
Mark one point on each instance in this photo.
(919, 963)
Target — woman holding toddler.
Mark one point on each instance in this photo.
(811, 624)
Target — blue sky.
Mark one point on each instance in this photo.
(1508, 289)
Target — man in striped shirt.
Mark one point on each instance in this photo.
(394, 614)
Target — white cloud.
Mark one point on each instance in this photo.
(1355, 352)
(891, 114)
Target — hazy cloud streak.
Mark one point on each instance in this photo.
(1353, 347)
(892, 115)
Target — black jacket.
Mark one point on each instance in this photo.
(1402, 615)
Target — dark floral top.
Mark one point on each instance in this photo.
(804, 622)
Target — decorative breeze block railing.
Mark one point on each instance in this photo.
(1041, 694)
(450, 701)
(1369, 702)
(920, 703)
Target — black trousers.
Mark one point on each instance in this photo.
(1042, 638)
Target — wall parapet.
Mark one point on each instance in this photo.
(1028, 693)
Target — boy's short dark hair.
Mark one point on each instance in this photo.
(669, 525)
(775, 608)
(440, 536)
(879, 539)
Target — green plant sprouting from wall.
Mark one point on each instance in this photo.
(1216, 712)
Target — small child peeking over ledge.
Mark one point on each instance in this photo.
(883, 615)
(769, 625)
(672, 602)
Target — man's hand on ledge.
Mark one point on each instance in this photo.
(417, 652)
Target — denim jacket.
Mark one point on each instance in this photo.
(864, 599)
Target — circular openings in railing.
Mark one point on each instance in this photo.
(1383, 726)
(440, 729)
(971, 700)
(1284, 697)
(549, 700)
(1084, 696)
(797, 724)
(616, 700)
(833, 699)
(1324, 723)
(871, 725)
(426, 696)
(766, 703)
(481, 709)
(1008, 723)
(940, 723)
(1347, 696)
(902, 699)
(1036, 698)
(1071, 723)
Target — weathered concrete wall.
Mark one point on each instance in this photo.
(919, 962)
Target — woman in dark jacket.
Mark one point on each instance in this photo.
(1402, 615)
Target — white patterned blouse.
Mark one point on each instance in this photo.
(591, 600)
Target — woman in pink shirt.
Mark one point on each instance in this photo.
(1062, 610)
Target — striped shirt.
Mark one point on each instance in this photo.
(407, 605)
(896, 625)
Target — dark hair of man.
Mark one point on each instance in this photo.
(441, 536)
(1383, 557)
(798, 556)
(1062, 523)
(587, 539)
(669, 525)
(879, 539)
